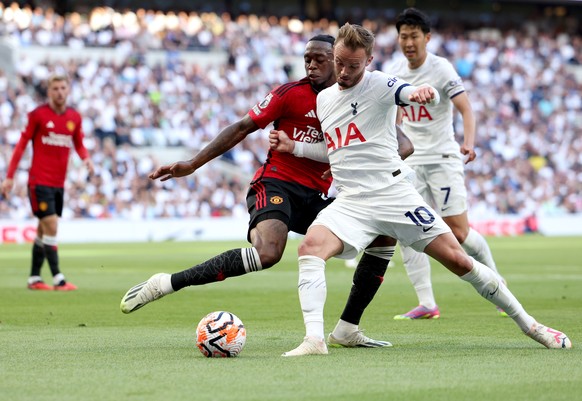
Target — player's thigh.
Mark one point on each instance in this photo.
(351, 223)
(446, 183)
(266, 201)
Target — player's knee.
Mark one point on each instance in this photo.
(460, 232)
(269, 256)
(461, 262)
(308, 246)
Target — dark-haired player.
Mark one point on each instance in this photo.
(53, 128)
(438, 158)
(286, 194)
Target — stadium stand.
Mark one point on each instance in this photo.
(154, 87)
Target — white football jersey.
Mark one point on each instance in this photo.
(430, 127)
(362, 118)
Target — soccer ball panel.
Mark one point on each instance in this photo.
(220, 334)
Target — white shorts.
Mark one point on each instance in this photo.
(402, 214)
(443, 187)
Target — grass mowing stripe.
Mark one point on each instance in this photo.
(79, 346)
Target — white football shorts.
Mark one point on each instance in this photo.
(443, 186)
(402, 214)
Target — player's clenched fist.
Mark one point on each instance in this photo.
(280, 141)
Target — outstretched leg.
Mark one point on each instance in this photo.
(269, 238)
(445, 249)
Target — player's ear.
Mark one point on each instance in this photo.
(369, 60)
(428, 37)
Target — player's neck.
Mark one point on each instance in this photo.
(59, 109)
(413, 65)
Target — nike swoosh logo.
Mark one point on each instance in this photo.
(426, 229)
(491, 294)
(443, 209)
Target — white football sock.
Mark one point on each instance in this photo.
(343, 328)
(491, 287)
(58, 278)
(312, 294)
(417, 267)
(476, 246)
(166, 284)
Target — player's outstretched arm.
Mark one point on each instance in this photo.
(423, 94)
(224, 141)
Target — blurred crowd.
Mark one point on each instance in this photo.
(522, 83)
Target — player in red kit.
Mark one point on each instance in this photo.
(54, 128)
(286, 194)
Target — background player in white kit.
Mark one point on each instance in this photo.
(437, 160)
(374, 197)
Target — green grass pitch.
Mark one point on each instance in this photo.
(79, 346)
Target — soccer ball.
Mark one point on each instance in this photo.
(220, 335)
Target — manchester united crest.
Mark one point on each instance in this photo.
(70, 126)
(276, 200)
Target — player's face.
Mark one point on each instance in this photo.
(413, 42)
(350, 65)
(57, 93)
(318, 59)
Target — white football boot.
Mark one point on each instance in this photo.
(309, 346)
(146, 292)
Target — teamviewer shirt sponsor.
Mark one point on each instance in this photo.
(52, 137)
(291, 108)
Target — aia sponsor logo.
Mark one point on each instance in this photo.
(337, 139)
(415, 114)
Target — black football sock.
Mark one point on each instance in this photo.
(367, 279)
(37, 257)
(232, 263)
(51, 252)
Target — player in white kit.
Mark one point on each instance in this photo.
(375, 196)
(438, 159)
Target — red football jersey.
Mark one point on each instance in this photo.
(53, 135)
(291, 108)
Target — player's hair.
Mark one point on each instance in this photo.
(57, 77)
(323, 38)
(414, 18)
(355, 37)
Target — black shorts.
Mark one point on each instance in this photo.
(45, 201)
(293, 204)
